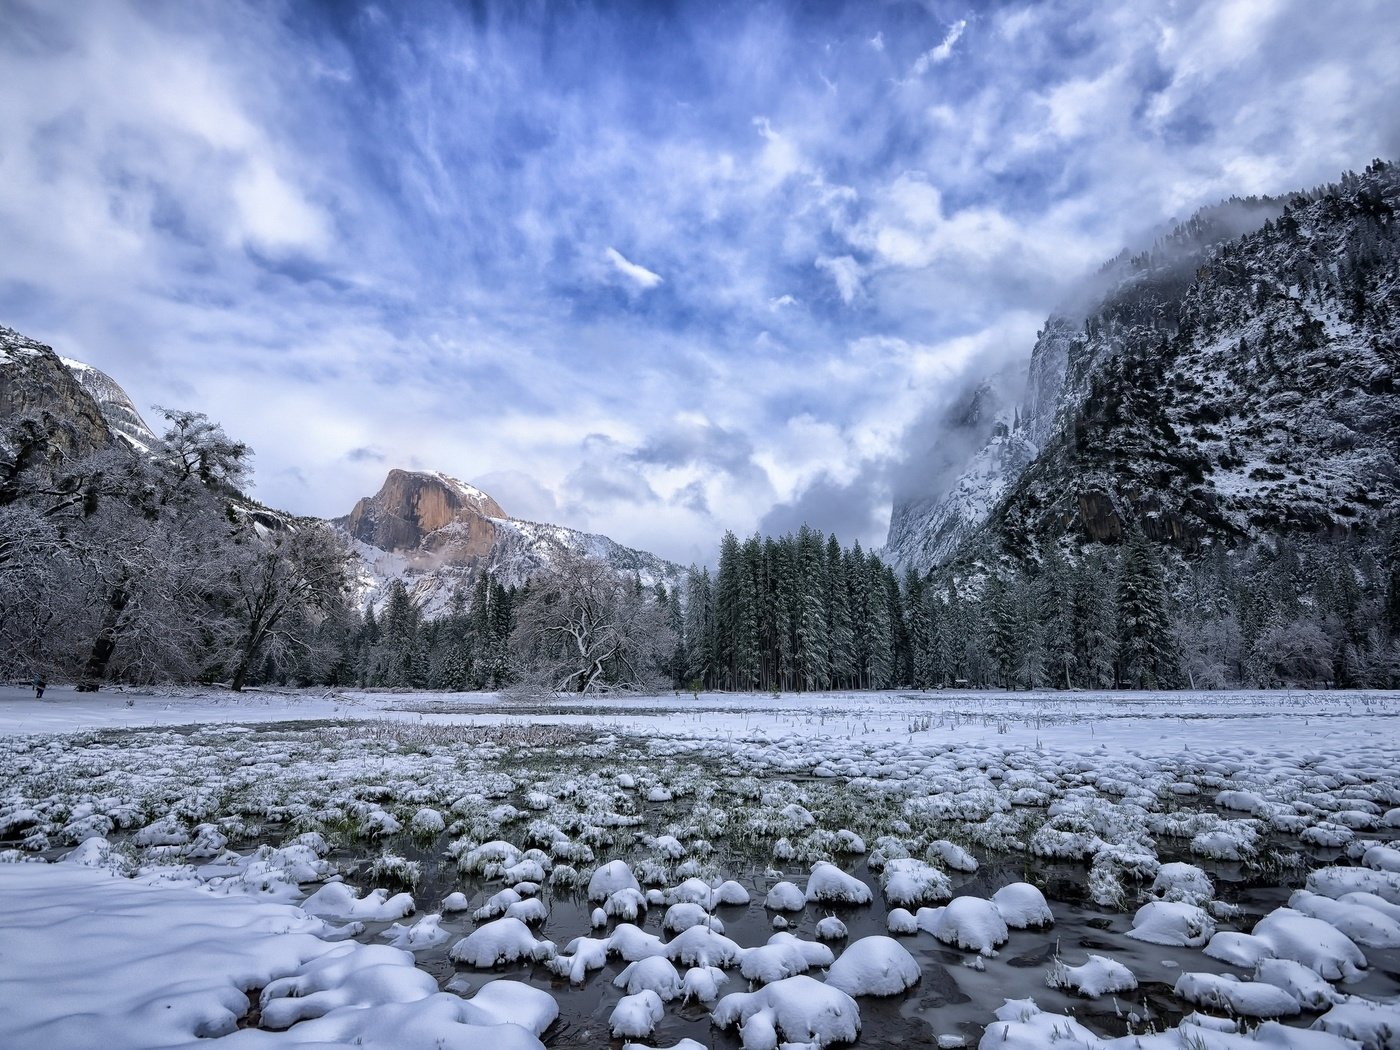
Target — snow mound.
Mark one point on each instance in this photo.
(783, 956)
(970, 923)
(610, 879)
(1316, 944)
(701, 946)
(798, 1010)
(1023, 906)
(1172, 923)
(1236, 997)
(338, 901)
(636, 1015)
(1099, 976)
(828, 884)
(785, 896)
(874, 966)
(908, 881)
(502, 941)
(653, 973)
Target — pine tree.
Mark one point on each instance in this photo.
(1145, 655)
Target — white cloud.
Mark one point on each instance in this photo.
(943, 51)
(845, 272)
(638, 275)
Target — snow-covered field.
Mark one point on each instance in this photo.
(404, 870)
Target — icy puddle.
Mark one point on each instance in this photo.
(415, 883)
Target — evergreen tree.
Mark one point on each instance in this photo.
(1145, 655)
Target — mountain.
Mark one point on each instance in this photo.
(35, 385)
(438, 534)
(120, 414)
(1235, 381)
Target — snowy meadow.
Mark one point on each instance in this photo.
(404, 870)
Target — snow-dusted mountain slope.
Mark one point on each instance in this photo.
(1223, 386)
(438, 534)
(117, 408)
(35, 386)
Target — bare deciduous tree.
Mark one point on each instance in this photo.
(581, 628)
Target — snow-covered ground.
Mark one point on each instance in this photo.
(401, 870)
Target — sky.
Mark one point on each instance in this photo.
(653, 270)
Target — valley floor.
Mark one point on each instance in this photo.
(417, 869)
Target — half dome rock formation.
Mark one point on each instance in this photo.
(438, 534)
(435, 517)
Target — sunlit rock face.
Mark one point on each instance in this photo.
(444, 519)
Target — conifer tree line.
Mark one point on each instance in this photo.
(801, 612)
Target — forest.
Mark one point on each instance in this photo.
(148, 568)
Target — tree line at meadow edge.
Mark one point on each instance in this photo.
(123, 566)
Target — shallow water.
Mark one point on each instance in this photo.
(954, 995)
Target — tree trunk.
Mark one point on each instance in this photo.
(106, 642)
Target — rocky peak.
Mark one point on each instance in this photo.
(413, 505)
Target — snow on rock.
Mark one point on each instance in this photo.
(1382, 858)
(532, 912)
(338, 901)
(1099, 976)
(579, 956)
(1172, 923)
(701, 983)
(683, 916)
(1239, 949)
(611, 878)
(1311, 991)
(625, 904)
(785, 896)
(654, 973)
(828, 884)
(1376, 1026)
(1021, 1025)
(497, 904)
(907, 881)
(901, 920)
(874, 966)
(783, 956)
(1335, 881)
(351, 974)
(952, 855)
(1022, 906)
(632, 943)
(425, 933)
(1238, 998)
(1316, 944)
(701, 946)
(729, 892)
(501, 941)
(1364, 925)
(455, 902)
(636, 1015)
(830, 929)
(1185, 883)
(797, 1010)
(970, 923)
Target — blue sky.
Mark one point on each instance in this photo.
(653, 270)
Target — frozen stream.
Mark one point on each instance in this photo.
(1086, 798)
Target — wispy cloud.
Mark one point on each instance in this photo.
(943, 51)
(657, 276)
(637, 275)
